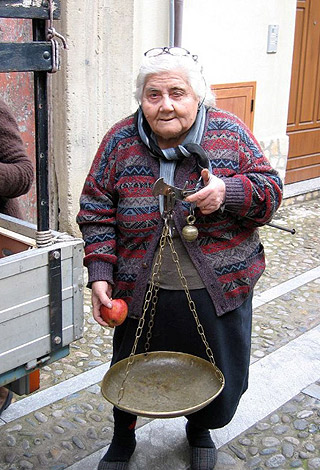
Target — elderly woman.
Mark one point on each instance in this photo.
(177, 135)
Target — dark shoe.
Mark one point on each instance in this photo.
(203, 458)
(7, 402)
(103, 465)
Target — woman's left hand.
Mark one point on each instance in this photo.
(210, 198)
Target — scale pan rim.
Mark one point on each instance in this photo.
(116, 373)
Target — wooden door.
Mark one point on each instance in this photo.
(303, 125)
(238, 98)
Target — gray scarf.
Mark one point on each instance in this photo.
(169, 157)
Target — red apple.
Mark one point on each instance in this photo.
(117, 314)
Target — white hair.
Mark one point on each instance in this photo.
(168, 62)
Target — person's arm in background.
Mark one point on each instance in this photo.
(16, 169)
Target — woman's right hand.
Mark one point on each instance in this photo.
(101, 294)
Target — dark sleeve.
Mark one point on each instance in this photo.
(16, 169)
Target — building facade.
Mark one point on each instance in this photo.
(246, 49)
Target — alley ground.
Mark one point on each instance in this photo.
(67, 424)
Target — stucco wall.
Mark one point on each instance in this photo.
(95, 86)
(91, 91)
(151, 28)
(106, 41)
(230, 38)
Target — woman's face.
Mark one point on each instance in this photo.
(170, 106)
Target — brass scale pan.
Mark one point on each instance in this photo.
(163, 384)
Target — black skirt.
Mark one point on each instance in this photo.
(229, 337)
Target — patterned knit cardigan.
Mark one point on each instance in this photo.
(121, 224)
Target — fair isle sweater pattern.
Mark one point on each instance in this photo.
(121, 224)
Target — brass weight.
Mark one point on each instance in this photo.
(189, 231)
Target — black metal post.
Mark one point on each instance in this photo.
(55, 299)
(41, 138)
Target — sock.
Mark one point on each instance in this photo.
(123, 442)
(198, 436)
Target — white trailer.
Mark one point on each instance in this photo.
(41, 300)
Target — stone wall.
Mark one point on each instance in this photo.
(276, 150)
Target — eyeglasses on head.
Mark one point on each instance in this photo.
(174, 51)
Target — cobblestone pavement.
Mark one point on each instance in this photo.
(56, 436)
(286, 439)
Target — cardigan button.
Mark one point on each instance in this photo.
(144, 265)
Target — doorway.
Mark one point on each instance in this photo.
(303, 126)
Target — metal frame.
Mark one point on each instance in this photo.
(25, 57)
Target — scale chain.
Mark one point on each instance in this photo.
(192, 305)
(152, 296)
(156, 275)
